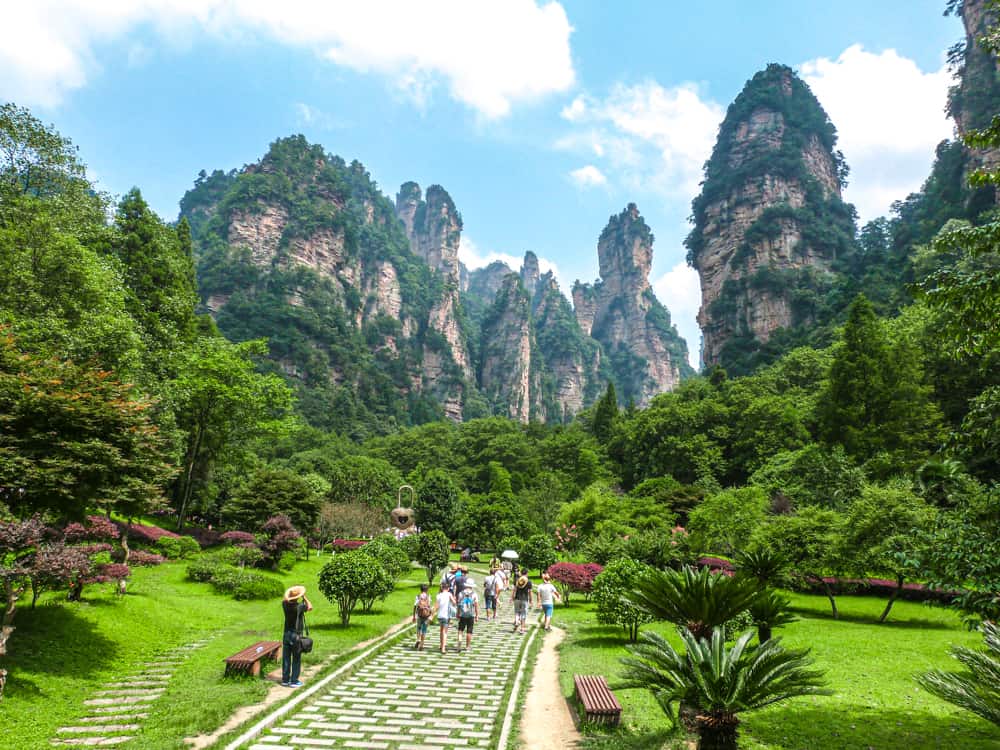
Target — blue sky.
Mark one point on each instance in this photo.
(541, 119)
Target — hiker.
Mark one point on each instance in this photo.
(545, 592)
(423, 608)
(294, 604)
(449, 575)
(468, 613)
(521, 596)
(490, 592)
(445, 602)
(457, 585)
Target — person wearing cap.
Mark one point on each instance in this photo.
(295, 605)
(521, 596)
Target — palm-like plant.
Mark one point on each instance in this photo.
(977, 690)
(770, 610)
(698, 601)
(765, 565)
(719, 682)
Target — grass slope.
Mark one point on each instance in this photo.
(61, 652)
(876, 705)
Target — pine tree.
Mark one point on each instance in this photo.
(605, 414)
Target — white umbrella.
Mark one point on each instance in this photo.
(508, 554)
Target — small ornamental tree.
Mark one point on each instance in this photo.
(611, 588)
(382, 586)
(431, 551)
(349, 577)
(538, 553)
(279, 537)
(55, 565)
(18, 540)
(574, 578)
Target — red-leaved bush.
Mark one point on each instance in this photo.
(148, 559)
(237, 538)
(147, 534)
(95, 549)
(109, 572)
(574, 577)
(716, 564)
(345, 545)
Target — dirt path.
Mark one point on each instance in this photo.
(546, 723)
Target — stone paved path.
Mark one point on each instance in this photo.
(404, 699)
(118, 708)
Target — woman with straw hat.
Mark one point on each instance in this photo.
(295, 605)
(521, 596)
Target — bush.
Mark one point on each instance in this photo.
(539, 553)
(203, 569)
(574, 578)
(388, 552)
(515, 543)
(188, 546)
(279, 537)
(611, 589)
(246, 584)
(349, 577)
(604, 548)
(346, 545)
(147, 534)
(431, 552)
(140, 558)
(169, 547)
(238, 538)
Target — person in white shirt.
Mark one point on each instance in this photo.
(445, 602)
(545, 593)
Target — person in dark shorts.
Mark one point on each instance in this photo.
(468, 613)
(521, 596)
(295, 605)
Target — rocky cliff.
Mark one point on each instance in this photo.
(972, 101)
(645, 354)
(769, 223)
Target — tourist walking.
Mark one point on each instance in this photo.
(445, 602)
(423, 608)
(521, 596)
(546, 592)
(491, 590)
(294, 605)
(468, 612)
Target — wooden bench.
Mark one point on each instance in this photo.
(248, 660)
(599, 704)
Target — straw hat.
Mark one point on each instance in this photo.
(294, 593)
(453, 566)
(522, 581)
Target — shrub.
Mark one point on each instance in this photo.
(538, 553)
(109, 572)
(141, 558)
(388, 552)
(515, 543)
(147, 534)
(604, 548)
(204, 568)
(188, 546)
(238, 538)
(431, 552)
(279, 537)
(574, 578)
(169, 547)
(346, 545)
(246, 584)
(349, 577)
(248, 556)
(611, 588)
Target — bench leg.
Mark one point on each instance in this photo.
(255, 669)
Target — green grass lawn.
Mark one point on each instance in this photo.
(62, 652)
(875, 706)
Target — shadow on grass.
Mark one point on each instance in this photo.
(54, 639)
(624, 740)
(911, 623)
(862, 727)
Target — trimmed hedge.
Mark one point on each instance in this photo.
(238, 583)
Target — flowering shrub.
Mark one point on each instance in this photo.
(717, 564)
(109, 572)
(96, 528)
(143, 558)
(280, 536)
(567, 537)
(574, 577)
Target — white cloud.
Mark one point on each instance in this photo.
(889, 115)
(653, 137)
(680, 290)
(588, 176)
(474, 257)
(309, 116)
(467, 45)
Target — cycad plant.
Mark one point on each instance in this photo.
(719, 682)
(698, 601)
(978, 689)
(770, 610)
(765, 565)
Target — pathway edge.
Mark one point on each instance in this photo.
(514, 691)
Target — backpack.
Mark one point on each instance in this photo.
(467, 606)
(423, 607)
(490, 586)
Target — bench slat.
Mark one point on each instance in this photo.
(599, 703)
(249, 659)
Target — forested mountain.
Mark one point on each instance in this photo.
(373, 320)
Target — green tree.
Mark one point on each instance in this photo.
(884, 533)
(360, 479)
(876, 401)
(538, 553)
(222, 402)
(723, 522)
(605, 415)
(437, 502)
(431, 551)
(271, 491)
(812, 475)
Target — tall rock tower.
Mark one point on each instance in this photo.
(770, 221)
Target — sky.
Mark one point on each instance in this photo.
(541, 119)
